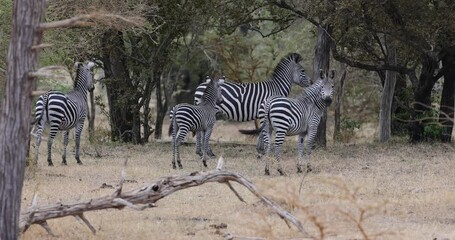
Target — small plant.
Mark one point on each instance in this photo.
(348, 127)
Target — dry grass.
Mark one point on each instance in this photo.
(404, 191)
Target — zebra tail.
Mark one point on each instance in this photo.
(171, 125)
(43, 110)
(251, 131)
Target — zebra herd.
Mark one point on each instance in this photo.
(267, 101)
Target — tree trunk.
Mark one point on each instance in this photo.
(422, 99)
(322, 62)
(161, 106)
(15, 110)
(121, 94)
(446, 116)
(385, 112)
(91, 118)
(338, 98)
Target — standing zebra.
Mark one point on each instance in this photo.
(241, 101)
(300, 116)
(64, 111)
(200, 118)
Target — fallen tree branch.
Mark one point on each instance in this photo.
(147, 196)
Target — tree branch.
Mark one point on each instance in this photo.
(148, 196)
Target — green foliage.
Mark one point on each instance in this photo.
(6, 9)
(347, 129)
(433, 131)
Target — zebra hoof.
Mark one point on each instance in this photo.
(267, 172)
(211, 154)
(199, 153)
(281, 172)
(80, 163)
(308, 168)
(173, 166)
(50, 164)
(64, 163)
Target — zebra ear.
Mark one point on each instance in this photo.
(90, 64)
(76, 64)
(221, 80)
(321, 74)
(207, 79)
(332, 73)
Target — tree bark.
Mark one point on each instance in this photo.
(322, 62)
(91, 118)
(385, 112)
(338, 98)
(422, 99)
(15, 115)
(161, 106)
(121, 95)
(446, 116)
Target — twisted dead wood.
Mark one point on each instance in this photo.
(145, 197)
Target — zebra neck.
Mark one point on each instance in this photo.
(283, 85)
(319, 103)
(82, 93)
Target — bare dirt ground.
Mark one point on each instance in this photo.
(391, 191)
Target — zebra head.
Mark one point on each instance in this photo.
(327, 87)
(298, 73)
(84, 75)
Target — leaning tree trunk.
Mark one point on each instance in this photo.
(121, 95)
(422, 99)
(322, 62)
(15, 110)
(446, 116)
(385, 111)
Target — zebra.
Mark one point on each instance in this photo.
(199, 118)
(241, 101)
(299, 116)
(64, 112)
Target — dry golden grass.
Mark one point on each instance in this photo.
(405, 191)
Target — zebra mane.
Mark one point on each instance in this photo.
(210, 88)
(78, 72)
(291, 57)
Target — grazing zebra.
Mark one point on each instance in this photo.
(241, 101)
(64, 111)
(200, 118)
(299, 116)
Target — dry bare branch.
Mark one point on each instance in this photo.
(91, 19)
(148, 196)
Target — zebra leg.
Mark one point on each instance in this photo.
(39, 132)
(300, 147)
(268, 143)
(65, 144)
(52, 134)
(78, 141)
(260, 145)
(206, 135)
(279, 139)
(174, 147)
(181, 134)
(309, 145)
(199, 143)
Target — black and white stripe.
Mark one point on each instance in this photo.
(241, 101)
(64, 111)
(299, 116)
(199, 118)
